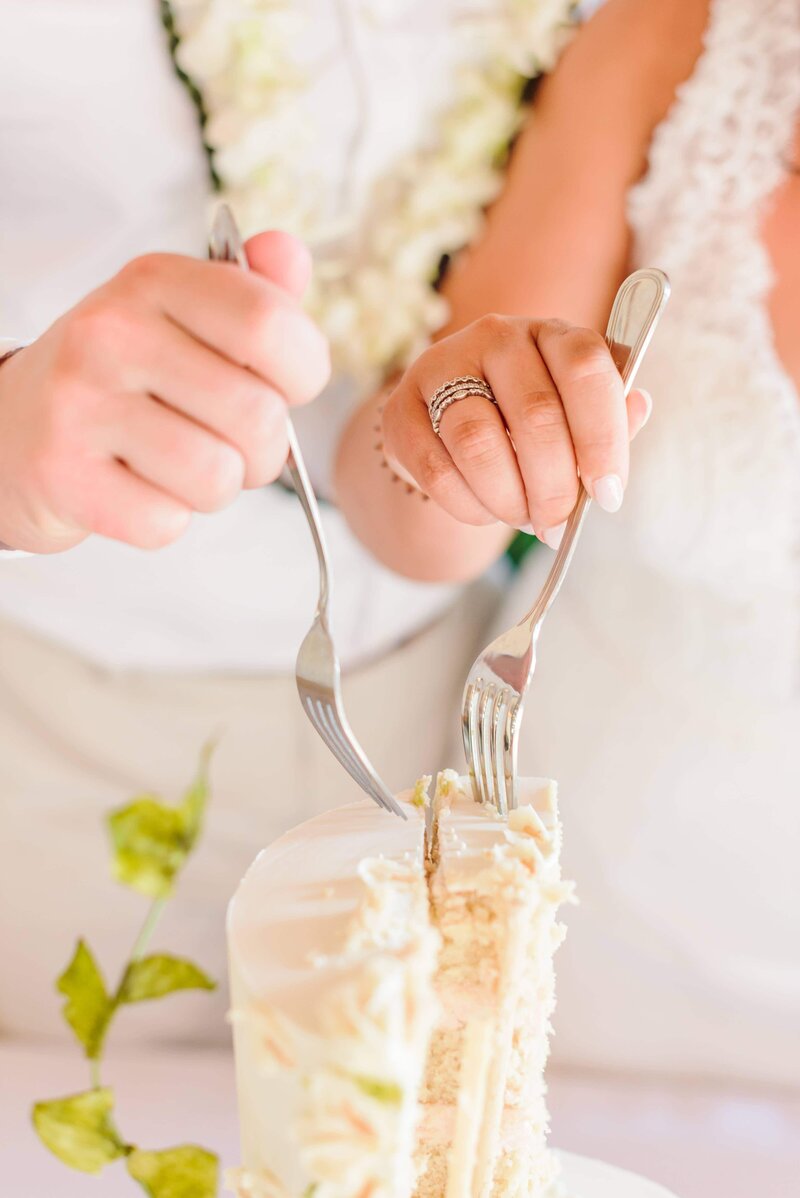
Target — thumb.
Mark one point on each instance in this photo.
(281, 258)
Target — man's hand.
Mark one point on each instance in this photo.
(162, 393)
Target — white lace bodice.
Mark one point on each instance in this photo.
(667, 690)
(716, 494)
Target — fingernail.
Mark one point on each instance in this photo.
(554, 536)
(607, 491)
(528, 529)
(648, 399)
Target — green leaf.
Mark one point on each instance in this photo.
(156, 976)
(150, 845)
(79, 1131)
(152, 840)
(186, 1172)
(88, 1006)
(380, 1090)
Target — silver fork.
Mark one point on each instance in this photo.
(499, 679)
(317, 670)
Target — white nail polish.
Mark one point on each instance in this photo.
(608, 493)
(648, 399)
(526, 528)
(554, 536)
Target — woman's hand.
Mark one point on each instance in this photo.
(560, 411)
(162, 393)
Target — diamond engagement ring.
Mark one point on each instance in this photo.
(454, 390)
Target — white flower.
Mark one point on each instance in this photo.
(379, 308)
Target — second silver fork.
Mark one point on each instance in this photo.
(499, 679)
(317, 671)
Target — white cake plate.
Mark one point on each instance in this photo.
(584, 1178)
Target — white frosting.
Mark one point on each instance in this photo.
(296, 903)
(332, 957)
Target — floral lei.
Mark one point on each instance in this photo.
(375, 287)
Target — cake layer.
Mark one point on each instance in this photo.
(391, 1000)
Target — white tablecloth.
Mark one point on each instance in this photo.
(699, 1141)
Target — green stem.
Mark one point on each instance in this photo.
(145, 935)
(155, 911)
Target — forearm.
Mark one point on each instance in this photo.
(556, 244)
(409, 535)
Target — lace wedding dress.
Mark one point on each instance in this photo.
(667, 699)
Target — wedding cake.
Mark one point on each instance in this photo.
(392, 984)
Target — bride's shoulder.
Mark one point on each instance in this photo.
(622, 69)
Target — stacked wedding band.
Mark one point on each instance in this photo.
(451, 392)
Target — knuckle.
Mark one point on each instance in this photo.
(97, 322)
(600, 445)
(474, 440)
(553, 508)
(554, 327)
(492, 324)
(542, 412)
(496, 327)
(143, 271)
(587, 354)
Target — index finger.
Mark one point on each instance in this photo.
(242, 316)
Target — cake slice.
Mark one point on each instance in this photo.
(392, 986)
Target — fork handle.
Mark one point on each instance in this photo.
(226, 245)
(295, 464)
(637, 310)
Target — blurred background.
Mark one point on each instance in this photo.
(442, 160)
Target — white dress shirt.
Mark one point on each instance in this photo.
(102, 161)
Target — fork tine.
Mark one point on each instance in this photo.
(510, 745)
(498, 729)
(320, 716)
(469, 733)
(364, 775)
(484, 742)
(331, 726)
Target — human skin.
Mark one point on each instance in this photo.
(163, 392)
(556, 244)
(113, 421)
